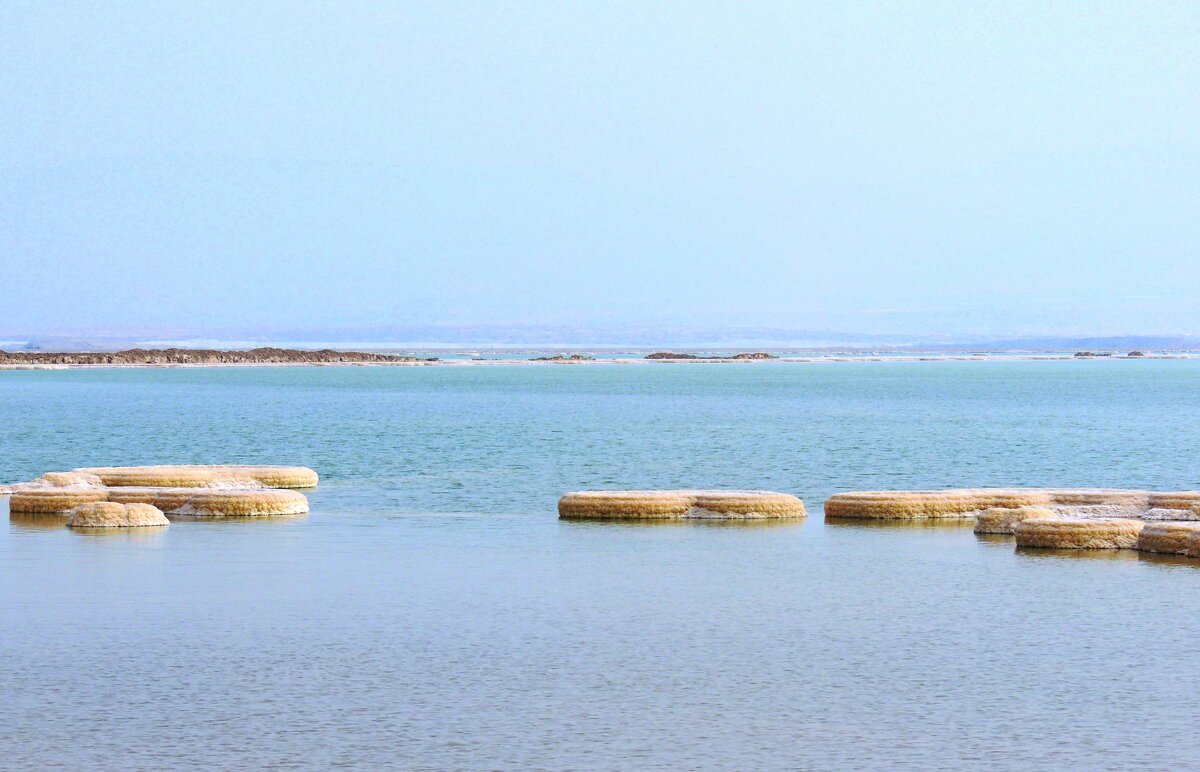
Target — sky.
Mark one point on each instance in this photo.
(321, 169)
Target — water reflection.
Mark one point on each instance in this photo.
(138, 534)
(236, 519)
(951, 523)
(1070, 554)
(1163, 559)
(607, 522)
(25, 521)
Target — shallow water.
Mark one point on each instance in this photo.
(432, 612)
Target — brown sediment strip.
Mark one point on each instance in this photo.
(906, 505)
(1171, 538)
(1065, 533)
(1004, 519)
(1176, 505)
(200, 476)
(51, 501)
(679, 505)
(108, 514)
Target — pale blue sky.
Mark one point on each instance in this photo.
(933, 168)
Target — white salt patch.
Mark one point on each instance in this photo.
(241, 484)
(83, 482)
(700, 513)
(1121, 512)
(1170, 514)
(1098, 511)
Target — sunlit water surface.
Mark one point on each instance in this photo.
(431, 611)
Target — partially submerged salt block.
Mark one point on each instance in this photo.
(969, 502)
(1065, 533)
(1169, 538)
(679, 505)
(911, 505)
(108, 514)
(204, 476)
(53, 501)
(210, 502)
(1003, 519)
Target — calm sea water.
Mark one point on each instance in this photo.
(432, 612)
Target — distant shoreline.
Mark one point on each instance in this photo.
(273, 357)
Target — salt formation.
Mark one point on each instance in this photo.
(1065, 533)
(1081, 503)
(1169, 538)
(208, 502)
(1178, 505)
(1003, 519)
(679, 505)
(212, 491)
(198, 476)
(910, 505)
(107, 514)
(69, 480)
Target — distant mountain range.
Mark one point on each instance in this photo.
(584, 338)
(1111, 343)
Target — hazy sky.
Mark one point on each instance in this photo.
(937, 168)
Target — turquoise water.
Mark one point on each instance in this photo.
(432, 612)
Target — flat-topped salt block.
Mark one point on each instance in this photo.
(204, 476)
(679, 505)
(1067, 533)
(1083, 502)
(214, 502)
(1171, 538)
(108, 514)
(904, 505)
(193, 502)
